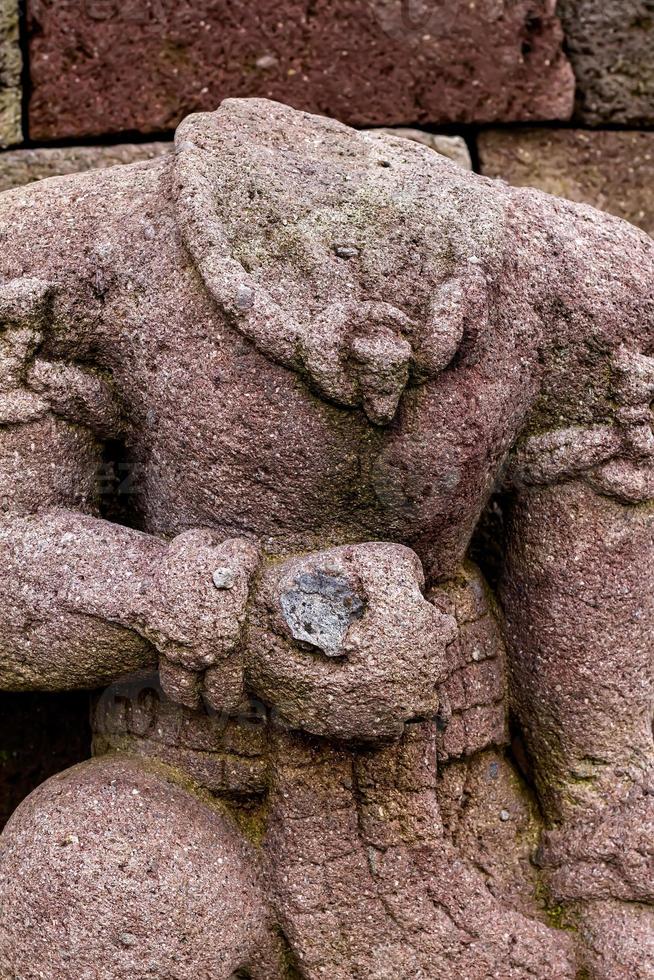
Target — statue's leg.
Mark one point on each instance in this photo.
(113, 870)
(366, 884)
(580, 625)
(489, 813)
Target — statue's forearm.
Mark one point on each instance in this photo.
(71, 582)
(84, 601)
(70, 600)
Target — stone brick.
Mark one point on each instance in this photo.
(611, 46)
(25, 166)
(11, 64)
(105, 66)
(611, 170)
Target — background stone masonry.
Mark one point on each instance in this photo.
(558, 96)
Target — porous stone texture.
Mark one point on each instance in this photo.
(492, 817)
(345, 825)
(11, 66)
(595, 783)
(609, 43)
(18, 167)
(454, 147)
(391, 642)
(473, 697)
(610, 169)
(227, 755)
(105, 66)
(176, 894)
(317, 353)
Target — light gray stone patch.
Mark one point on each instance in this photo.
(320, 610)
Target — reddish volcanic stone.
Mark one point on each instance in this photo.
(295, 334)
(609, 169)
(102, 66)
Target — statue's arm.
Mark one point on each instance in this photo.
(579, 615)
(580, 618)
(68, 599)
(84, 600)
(579, 610)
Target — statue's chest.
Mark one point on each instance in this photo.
(225, 438)
(241, 444)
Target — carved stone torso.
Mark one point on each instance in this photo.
(281, 354)
(216, 433)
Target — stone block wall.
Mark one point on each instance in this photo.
(11, 67)
(109, 66)
(555, 95)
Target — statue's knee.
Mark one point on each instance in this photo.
(111, 870)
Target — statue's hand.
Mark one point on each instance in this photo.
(195, 610)
(343, 644)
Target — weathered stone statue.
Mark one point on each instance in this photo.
(255, 398)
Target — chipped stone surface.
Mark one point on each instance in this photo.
(108, 66)
(609, 43)
(609, 169)
(11, 66)
(319, 609)
(18, 167)
(362, 604)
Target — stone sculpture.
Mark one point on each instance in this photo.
(255, 399)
